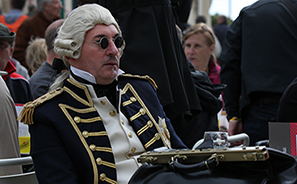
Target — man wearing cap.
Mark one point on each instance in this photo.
(96, 122)
(17, 84)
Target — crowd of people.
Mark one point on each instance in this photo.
(99, 87)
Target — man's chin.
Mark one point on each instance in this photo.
(112, 74)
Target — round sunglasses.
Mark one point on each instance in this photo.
(104, 42)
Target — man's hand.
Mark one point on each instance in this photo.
(235, 127)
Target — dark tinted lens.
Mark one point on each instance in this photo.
(119, 41)
(104, 43)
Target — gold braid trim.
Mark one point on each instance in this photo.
(26, 115)
(103, 177)
(144, 110)
(146, 77)
(108, 164)
(152, 141)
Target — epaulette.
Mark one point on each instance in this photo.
(26, 115)
(146, 77)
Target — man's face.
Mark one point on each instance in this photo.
(5, 54)
(103, 64)
(53, 9)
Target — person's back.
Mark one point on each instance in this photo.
(267, 55)
(9, 143)
(258, 61)
(272, 38)
(35, 26)
(42, 79)
(15, 17)
(221, 28)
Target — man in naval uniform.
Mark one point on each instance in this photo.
(96, 122)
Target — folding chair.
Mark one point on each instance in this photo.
(24, 178)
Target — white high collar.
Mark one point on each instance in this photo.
(87, 76)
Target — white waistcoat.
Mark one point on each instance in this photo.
(124, 142)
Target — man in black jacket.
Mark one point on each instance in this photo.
(221, 28)
(258, 63)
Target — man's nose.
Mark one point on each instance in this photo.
(112, 49)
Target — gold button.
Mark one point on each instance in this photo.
(92, 147)
(85, 134)
(99, 161)
(102, 102)
(149, 124)
(157, 136)
(102, 177)
(112, 113)
(142, 111)
(133, 99)
(77, 119)
(133, 150)
(130, 134)
(122, 122)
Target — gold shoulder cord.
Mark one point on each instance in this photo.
(145, 77)
(26, 115)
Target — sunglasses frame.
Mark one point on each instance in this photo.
(104, 38)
